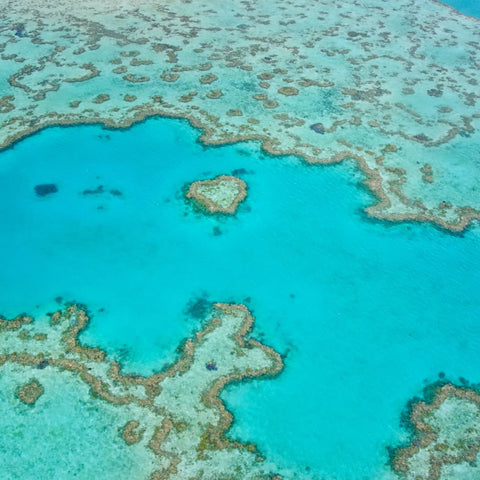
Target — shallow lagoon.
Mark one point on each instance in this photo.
(365, 312)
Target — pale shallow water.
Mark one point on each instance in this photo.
(62, 435)
(367, 313)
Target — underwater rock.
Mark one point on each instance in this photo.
(95, 191)
(45, 189)
(318, 128)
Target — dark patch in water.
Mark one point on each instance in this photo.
(59, 299)
(285, 354)
(317, 128)
(242, 171)
(43, 364)
(211, 366)
(245, 153)
(101, 190)
(95, 191)
(198, 308)
(216, 231)
(422, 137)
(20, 30)
(123, 352)
(45, 189)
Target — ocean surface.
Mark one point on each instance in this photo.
(366, 313)
(468, 7)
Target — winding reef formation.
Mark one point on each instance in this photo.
(446, 437)
(223, 194)
(175, 417)
(391, 86)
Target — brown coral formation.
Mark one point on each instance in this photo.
(175, 408)
(357, 89)
(210, 78)
(30, 392)
(213, 94)
(427, 173)
(435, 444)
(288, 91)
(222, 194)
(102, 97)
(131, 433)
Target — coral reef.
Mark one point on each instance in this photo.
(446, 434)
(176, 413)
(30, 392)
(362, 75)
(223, 194)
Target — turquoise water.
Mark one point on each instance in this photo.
(468, 7)
(366, 312)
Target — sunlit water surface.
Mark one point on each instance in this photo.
(367, 313)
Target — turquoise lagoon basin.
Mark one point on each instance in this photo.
(467, 7)
(366, 313)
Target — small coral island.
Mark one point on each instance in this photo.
(222, 194)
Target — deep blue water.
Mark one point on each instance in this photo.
(468, 7)
(366, 312)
